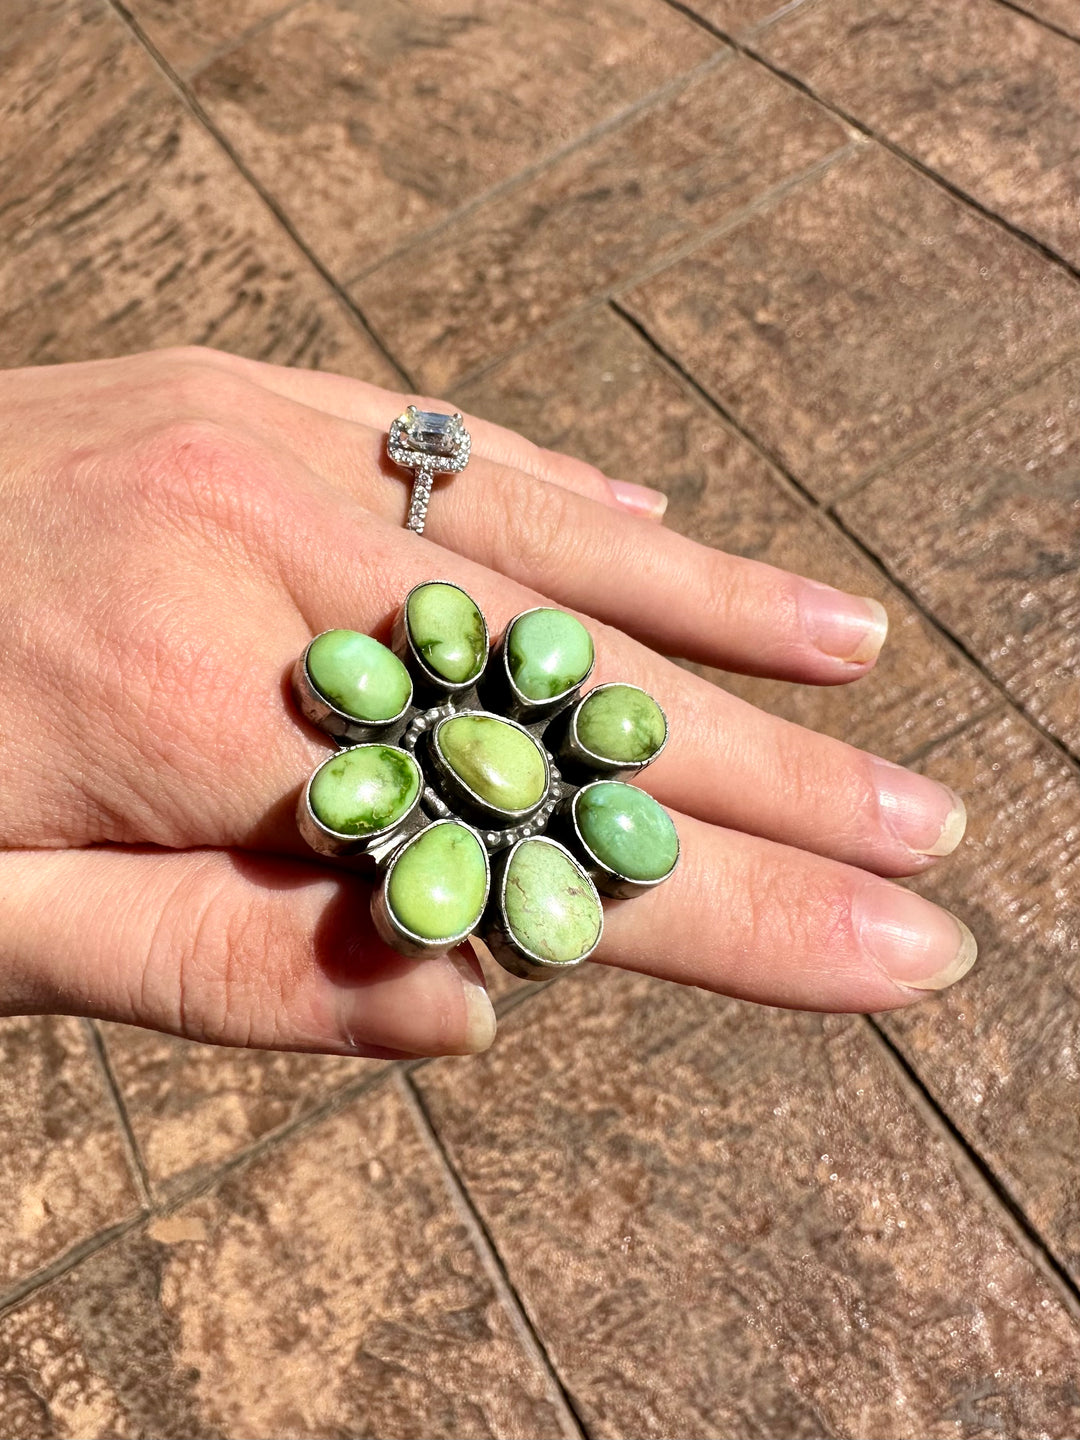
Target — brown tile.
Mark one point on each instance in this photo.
(982, 95)
(984, 528)
(725, 1220)
(189, 34)
(125, 227)
(369, 122)
(595, 389)
(329, 1289)
(192, 1107)
(63, 1171)
(593, 220)
(1000, 1051)
(1062, 13)
(736, 17)
(857, 315)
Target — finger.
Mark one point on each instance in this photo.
(764, 922)
(678, 596)
(228, 949)
(371, 406)
(725, 761)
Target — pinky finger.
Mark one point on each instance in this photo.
(234, 950)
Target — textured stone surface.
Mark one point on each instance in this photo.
(126, 227)
(984, 529)
(438, 885)
(596, 390)
(358, 675)
(368, 123)
(904, 307)
(190, 33)
(63, 1171)
(1000, 1051)
(551, 908)
(364, 789)
(627, 830)
(1062, 13)
(547, 653)
(596, 218)
(194, 1107)
(501, 764)
(330, 1288)
(729, 1221)
(622, 723)
(448, 630)
(941, 81)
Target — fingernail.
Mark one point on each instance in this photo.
(917, 944)
(842, 626)
(639, 499)
(928, 818)
(480, 1022)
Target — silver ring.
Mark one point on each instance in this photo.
(427, 443)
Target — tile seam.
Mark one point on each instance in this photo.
(13, 1298)
(136, 1164)
(487, 1251)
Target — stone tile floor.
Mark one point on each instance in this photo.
(813, 268)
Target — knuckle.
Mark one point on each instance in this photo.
(199, 469)
(538, 551)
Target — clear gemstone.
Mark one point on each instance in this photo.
(431, 432)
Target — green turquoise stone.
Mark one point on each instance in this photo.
(448, 631)
(551, 908)
(358, 675)
(497, 761)
(627, 830)
(622, 724)
(364, 790)
(438, 886)
(548, 652)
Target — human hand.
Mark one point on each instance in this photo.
(177, 526)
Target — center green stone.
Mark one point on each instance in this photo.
(447, 629)
(627, 830)
(364, 790)
(501, 764)
(551, 908)
(548, 652)
(358, 675)
(438, 886)
(622, 724)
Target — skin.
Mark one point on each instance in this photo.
(175, 528)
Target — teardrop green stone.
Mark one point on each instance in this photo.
(496, 760)
(627, 830)
(622, 724)
(447, 629)
(550, 906)
(547, 653)
(365, 789)
(438, 885)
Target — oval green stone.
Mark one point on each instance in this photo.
(358, 675)
(366, 789)
(621, 723)
(497, 761)
(551, 908)
(548, 652)
(627, 830)
(447, 629)
(438, 886)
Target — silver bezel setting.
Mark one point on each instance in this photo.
(337, 843)
(462, 797)
(522, 707)
(390, 928)
(315, 706)
(408, 651)
(498, 936)
(607, 880)
(572, 751)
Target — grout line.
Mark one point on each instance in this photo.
(928, 747)
(67, 1262)
(1047, 252)
(602, 297)
(192, 72)
(830, 517)
(187, 96)
(134, 1155)
(1039, 20)
(521, 178)
(485, 1247)
(1027, 1233)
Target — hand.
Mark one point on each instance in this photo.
(175, 528)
